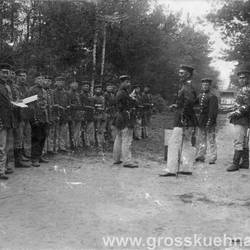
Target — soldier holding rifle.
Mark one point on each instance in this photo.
(240, 119)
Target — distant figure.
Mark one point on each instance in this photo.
(240, 119)
(208, 110)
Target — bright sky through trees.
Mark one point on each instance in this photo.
(197, 9)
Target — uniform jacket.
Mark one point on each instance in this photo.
(39, 108)
(99, 103)
(6, 111)
(76, 108)
(88, 105)
(242, 104)
(61, 98)
(186, 99)
(208, 109)
(125, 116)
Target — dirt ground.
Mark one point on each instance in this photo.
(74, 201)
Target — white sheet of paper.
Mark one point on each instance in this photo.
(30, 99)
(20, 104)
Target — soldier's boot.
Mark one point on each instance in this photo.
(245, 159)
(19, 163)
(43, 160)
(236, 161)
(35, 163)
(23, 156)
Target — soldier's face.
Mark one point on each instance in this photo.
(22, 77)
(4, 74)
(98, 91)
(109, 89)
(243, 80)
(39, 80)
(183, 75)
(59, 84)
(74, 86)
(205, 86)
(146, 90)
(85, 88)
(137, 90)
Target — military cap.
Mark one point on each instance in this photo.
(60, 79)
(187, 68)
(21, 71)
(5, 66)
(243, 72)
(124, 77)
(208, 80)
(98, 86)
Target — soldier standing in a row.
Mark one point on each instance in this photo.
(99, 117)
(88, 122)
(240, 119)
(76, 116)
(39, 121)
(180, 151)
(6, 123)
(124, 123)
(208, 110)
(61, 102)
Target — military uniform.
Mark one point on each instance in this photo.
(208, 110)
(88, 128)
(52, 118)
(181, 152)
(77, 116)
(240, 120)
(39, 122)
(61, 102)
(100, 119)
(110, 112)
(25, 116)
(124, 122)
(6, 125)
(147, 103)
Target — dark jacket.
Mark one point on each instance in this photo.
(39, 107)
(61, 102)
(208, 109)
(125, 116)
(6, 111)
(242, 106)
(88, 105)
(76, 107)
(185, 114)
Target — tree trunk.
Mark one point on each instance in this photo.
(103, 51)
(28, 26)
(94, 61)
(12, 24)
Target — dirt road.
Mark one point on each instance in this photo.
(73, 202)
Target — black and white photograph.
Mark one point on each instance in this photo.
(124, 124)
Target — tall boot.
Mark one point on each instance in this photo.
(236, 160)
(245, 159)
(22, 155)
(19, 163)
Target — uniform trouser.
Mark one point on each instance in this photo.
(207, 142)
(240, 137)
(38, 137)
(146, 124)
(76, 133)
(89, 133)
(50, 139)
(110, 128)
(61, 136)
(6, 140)
(25, 131)
(180, 151)
(138, 128)
(122, 145)
(100, 126)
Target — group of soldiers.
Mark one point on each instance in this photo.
(61, 117)
(194, 134)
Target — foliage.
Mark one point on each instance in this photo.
(57, 36)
